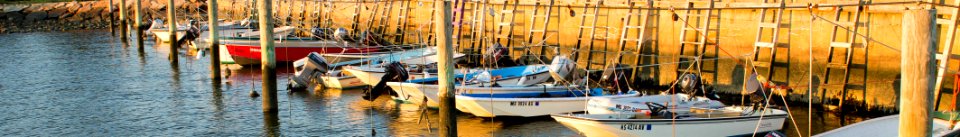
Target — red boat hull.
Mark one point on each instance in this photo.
(250, 54)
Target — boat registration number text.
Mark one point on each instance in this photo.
(524, 103)
(636, 127)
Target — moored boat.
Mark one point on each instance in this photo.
(693, 122)
(887, 126)
(163, 35)
(373, 74)
(314, 69)
(530, 105)
(415, 90)
(640, 104)
(248, 52)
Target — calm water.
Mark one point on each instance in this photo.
(87, 83)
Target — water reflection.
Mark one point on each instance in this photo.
(271, 124)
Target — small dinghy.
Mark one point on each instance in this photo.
(531, 103)
(887, 126)
(692, 122)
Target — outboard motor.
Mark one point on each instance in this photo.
(614, 77)
(308, 70)
(690, 83)
(561, 67)
(341, 34)
(497, 55)
(193, 32)
(395, 72)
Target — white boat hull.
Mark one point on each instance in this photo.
(525, 107)
(414, 92)
(225, 57)
(609, 125)
(164, 36)
(371, 76)
(884, 127)
(345, 82)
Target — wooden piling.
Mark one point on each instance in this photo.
(267, 59)
(917, 71)
(214, 41)
(111, 20)
(448, 118)
(123, 20)
(138, 20)
(172, 26)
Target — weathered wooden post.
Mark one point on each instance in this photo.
(267, 59)
(214, 41)
(443, 27)
(111, 20)
(172, 26)
(917, 71)
(138, 20)
(123, 20)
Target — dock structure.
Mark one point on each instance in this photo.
(723, 41)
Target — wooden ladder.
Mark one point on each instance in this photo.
(704, 24)
(504, 33)
(774, 25)
(373, 15)
(847, 42)
(590, 39)
(478, 27)
(402, 16)
(642, 31)
(356, 20)
(460, 9)
(946, 54)
(323, 15)
(543, 31)
(383, 23)
(429, 31)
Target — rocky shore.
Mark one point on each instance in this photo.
(60, 16)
